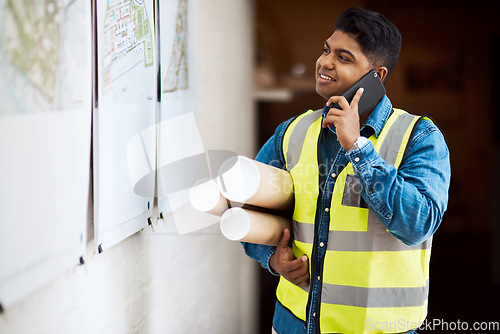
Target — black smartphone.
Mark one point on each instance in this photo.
(374, 92)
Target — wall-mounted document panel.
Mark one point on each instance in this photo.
(124, 120)
(182, 159)
(45, 128)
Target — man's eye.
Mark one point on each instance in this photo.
(325, 50)
(343, 58)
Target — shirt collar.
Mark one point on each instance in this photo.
(377, 118)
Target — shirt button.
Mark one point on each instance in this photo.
(321, 244)
(319, 278)
(334, 175)
(314, 314)
(356, 159)
(327, 210)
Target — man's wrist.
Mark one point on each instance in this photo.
(359, 143)
(270, 266)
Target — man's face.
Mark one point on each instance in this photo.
(340, 66)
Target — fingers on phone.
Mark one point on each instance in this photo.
(358, 95)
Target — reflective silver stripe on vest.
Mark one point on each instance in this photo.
(392, 142)
(376, 239)
(297, 138)
(374, 297)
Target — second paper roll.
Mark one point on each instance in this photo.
(253, 226)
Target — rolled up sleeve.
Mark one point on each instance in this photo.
(409, 201)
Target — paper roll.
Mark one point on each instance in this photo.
(240, 224)
(243, 180)
(206, 197)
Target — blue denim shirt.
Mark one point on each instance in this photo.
(410, 201)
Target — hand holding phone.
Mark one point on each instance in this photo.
(374, 90)
(346, 121)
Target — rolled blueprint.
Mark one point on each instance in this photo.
(243, 180)
(253, 226)
(206, 197)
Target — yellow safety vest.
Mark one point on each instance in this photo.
(371, 281)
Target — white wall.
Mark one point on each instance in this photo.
(161, 282)
(225, 119)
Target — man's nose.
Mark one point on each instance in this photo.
(327, 61)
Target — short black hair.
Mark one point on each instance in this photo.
(379, 38)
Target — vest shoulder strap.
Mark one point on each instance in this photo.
(396, 136)
(295, 136)
(393, 139)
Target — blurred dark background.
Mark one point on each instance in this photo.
(447, 70)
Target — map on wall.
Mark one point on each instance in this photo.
(181, 158)
(126, 108)
(45, 128)
(40, 55)
(176, 117)
(176, 76)
(128, 40)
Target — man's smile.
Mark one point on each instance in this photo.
(325, 76)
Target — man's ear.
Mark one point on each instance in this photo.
(382, 73)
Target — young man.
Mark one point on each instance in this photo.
(369, 194)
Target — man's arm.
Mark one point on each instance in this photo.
(409, 201)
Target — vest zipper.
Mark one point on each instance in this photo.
(316, 264)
